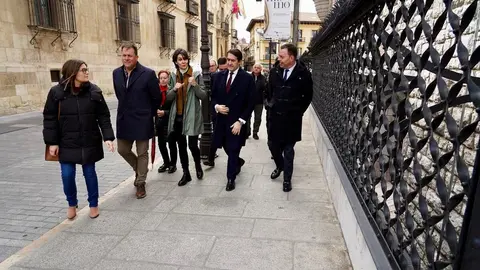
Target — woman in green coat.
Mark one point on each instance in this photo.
(185, 120)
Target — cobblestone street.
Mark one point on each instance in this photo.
(199, 226)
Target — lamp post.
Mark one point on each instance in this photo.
(206, 139)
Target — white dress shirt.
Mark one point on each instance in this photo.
(289, 71)
(233, 76)
(235, 72)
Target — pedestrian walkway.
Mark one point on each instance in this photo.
(31, 195)
(201, 226)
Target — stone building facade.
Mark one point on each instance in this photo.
(38, 36)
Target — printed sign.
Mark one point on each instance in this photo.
(278, 18)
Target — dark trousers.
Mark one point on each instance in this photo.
(233, 162)
(213, 150)
(176, 137)
(162, 146)
(257, 111)
(70, 187)
(283, 154)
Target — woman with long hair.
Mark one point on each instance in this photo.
(76, 120)
(162, 124)
(185, 120)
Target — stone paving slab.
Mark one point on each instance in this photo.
(200, 225)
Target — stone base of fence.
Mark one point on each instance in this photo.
(363, 246)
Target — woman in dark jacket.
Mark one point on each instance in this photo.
(162, 124)
(76, 120)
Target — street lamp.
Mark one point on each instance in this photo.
(206, 139)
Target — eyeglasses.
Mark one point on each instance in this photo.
(84, 70)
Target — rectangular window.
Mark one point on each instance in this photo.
(167, 30)
(53, 14)
(192, 38)
(128, 20)
(54, 75)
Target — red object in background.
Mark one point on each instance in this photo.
(154, 141)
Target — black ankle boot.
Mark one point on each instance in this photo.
(198, 168)
(287, 186)
(185, 179)
(172, 169)
(163, 168)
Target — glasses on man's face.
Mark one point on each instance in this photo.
(84, 70)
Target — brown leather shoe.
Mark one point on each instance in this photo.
(141, 192)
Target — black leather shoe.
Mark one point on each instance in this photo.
(199, 170)
(185, 179)
(230, 185)
(172, 169)
(255, 136)
(276, 173)
(287, 186)
(163, 168)
(241, 162)
(209, 163)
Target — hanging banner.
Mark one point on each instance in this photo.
(278, 19)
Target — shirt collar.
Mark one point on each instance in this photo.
(234, 72)
(292, 67)
(125, 69)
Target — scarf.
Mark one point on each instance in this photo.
(182, 92)
(163, 90)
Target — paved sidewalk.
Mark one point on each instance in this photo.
(201, 226)
(31, 195)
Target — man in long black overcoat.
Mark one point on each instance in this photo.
(290, 88)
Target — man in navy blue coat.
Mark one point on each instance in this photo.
(233, 94)
(138, 94)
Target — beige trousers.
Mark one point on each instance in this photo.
(138, 163)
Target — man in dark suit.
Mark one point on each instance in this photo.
(290, 90)
(222, 65)
(233, 94)
(138, 94)
(260, 94)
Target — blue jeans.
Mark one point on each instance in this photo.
(70, 187)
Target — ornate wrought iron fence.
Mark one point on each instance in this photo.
(397, 89)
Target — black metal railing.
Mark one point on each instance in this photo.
(397, 88)
(53, 14)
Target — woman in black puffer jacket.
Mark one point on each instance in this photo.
(76, 121)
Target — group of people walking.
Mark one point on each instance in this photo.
(77, 118)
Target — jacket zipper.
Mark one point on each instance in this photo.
(80, 121)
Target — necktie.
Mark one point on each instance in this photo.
(229, 82)
(285, 75)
